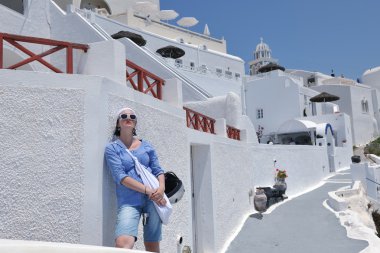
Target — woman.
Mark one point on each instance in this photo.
(133, 197)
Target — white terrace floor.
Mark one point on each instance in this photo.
(299, 225)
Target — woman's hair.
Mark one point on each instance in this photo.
(116, 132)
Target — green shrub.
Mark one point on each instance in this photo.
(373, 147)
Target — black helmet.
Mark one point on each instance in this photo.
(174, 189)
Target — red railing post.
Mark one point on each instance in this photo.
(69, 60)
(1, 50)
(140, 81)
(212, 126)
(159, 90)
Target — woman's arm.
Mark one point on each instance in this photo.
(136, 186)
(158, 195)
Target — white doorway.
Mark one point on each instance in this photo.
(202, 201)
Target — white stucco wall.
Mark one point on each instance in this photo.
(232, 179)
(69, 197)
(369, 175)
(300, 162)
(341, 125)
(173, 92)
(72, 119)
(371, 77)
(278, 96)
(172, 32)
(105, 58)
(193, 53)
(228, 107)
(351, 96)
(54, 128)
(42, 153)
(376, 106)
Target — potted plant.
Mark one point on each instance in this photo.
(281, 175)
(280, 183)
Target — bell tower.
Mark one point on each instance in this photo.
(261, 57)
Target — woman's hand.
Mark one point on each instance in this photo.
(157, 195)
(161, 202)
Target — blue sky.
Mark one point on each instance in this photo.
(318, 35)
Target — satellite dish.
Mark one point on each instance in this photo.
(187, 21)
(146, 7)
(167, 14)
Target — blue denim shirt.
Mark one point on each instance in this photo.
(121, 165)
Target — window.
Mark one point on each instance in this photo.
(228, 74)
(237, 75)
(178, 62)
(260, 113)
(203, 68)
(310, 81)
(219, 72)
(365, 106)
(192, 65)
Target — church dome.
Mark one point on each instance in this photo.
(262, 50)
(262, 46)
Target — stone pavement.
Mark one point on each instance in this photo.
(300, 225)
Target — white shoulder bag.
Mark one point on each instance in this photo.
(151, 181)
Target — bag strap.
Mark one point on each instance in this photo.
(135, 161)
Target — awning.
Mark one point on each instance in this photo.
(296, 126)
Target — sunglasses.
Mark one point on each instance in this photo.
(126, 116)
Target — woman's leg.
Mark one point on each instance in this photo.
(152, 230)
(152, 246)
(127, 226)
(125, 241)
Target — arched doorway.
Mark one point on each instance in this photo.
(92, 4)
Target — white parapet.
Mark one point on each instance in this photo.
(337, 199)
(220, 127)
(19, 246)
(105, 58)
(358, 172)
(172, 92)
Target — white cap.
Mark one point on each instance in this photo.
(123, 109)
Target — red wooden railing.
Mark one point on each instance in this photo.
(199, 121)
(143, 77)
(58, 45)
(233, 133)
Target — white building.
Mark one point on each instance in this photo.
(54, 186)
(356, 101)
(274, 97)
